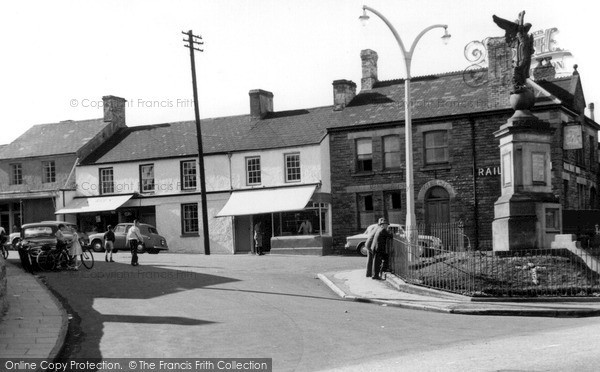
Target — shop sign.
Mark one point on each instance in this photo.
(489, 171)
(573, 139)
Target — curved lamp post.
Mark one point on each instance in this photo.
(410, 194)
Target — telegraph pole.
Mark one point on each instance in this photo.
(193, 41)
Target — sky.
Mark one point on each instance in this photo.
(60, 57)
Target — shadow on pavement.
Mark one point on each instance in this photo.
(78, 290)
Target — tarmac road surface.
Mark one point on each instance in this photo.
(236, 306)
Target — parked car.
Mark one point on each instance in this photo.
(152, 243)
(34, 237)
(357, 242)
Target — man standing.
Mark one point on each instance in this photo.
(370, 233)
(379, 245)
(134, 237)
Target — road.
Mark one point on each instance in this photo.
(218, 306)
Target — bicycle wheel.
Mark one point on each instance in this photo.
(87, 258)
(46, 260)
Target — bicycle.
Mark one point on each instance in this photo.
(51, 258)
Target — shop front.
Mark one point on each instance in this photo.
(293, 220)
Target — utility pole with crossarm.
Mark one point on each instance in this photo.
(192, 42)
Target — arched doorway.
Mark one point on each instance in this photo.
(437, 205)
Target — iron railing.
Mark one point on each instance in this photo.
(529, 273)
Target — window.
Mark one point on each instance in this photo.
(581, 195)
(107, 185)
(565, 194)
(188, 175)
(364, 155)
(253, 171)
(48, 172)
(147, 177)
(436, 147)
(292, 167)
(365, 210)
(16, 174)
(189, 218)
(552, 219)
(391, 152)
(393, 205)
(592, 154)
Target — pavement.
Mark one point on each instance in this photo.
(35, 324)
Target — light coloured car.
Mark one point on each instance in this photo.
(152, 243)
(357, 242)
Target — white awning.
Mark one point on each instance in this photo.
(98, 204)
(284, 199)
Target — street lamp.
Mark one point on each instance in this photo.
(410, 194)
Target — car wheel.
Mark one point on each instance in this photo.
(97, 246)
(15, 241)
(361, 249)
(141, 248)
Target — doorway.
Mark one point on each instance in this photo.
(437, 206)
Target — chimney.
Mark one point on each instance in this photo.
(261, 103)
(369, 69)
(591, 107)
(500, 72)
(114, 110)
(343, 92)
(544, 69)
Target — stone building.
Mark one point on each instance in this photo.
(456, 156)
(37, 170)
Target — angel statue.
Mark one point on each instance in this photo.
(522, 43)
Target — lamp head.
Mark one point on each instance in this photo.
(446, 37)
(364, 18)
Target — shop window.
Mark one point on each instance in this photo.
(107, 185)
(147, 177)
(16, 174)
(189, 219)
(253, 175)
(188, 174)
(436, 147)
(366, 213)
(364, 155)
(391, 152)
(48, 172)
(292, 167)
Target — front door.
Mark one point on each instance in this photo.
(267, 230)
(437, 206)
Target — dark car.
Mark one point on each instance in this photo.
(40, 235)
(152, 243)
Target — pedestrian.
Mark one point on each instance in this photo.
(380, 242)
(370, 233)
(258, 238)
(75, 250)
(305, 227)
(109, 243)
(61, 242)
(134, 237)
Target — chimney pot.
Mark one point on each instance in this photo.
(343, 92)
(591, 107)
(114, 109)
(261, 103)
(369, 69)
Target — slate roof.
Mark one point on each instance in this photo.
(432, 96)
(66, 137)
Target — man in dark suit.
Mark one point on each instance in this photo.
(379, 245)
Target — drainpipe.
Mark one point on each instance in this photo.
(476, 202)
